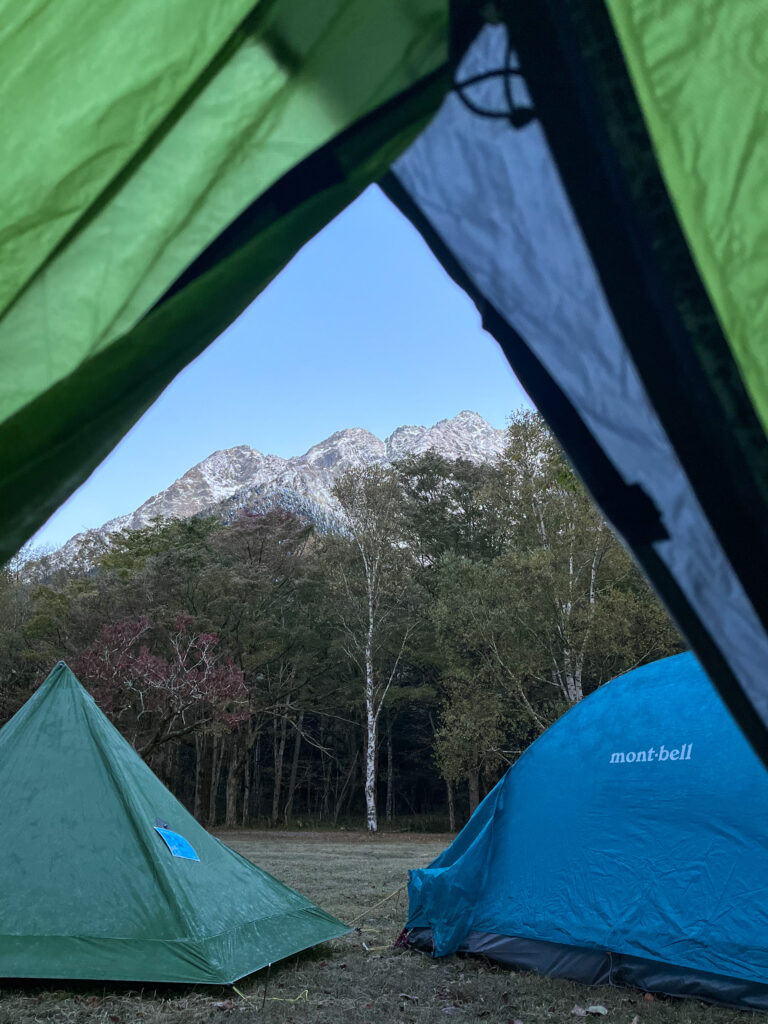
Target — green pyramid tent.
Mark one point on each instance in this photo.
(106, 876)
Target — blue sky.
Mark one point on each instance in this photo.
(362, 329)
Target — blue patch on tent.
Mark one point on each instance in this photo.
(177, 844)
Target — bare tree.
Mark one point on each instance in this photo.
(157, 699)
(373, 587)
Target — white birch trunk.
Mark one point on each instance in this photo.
(573, 688)
(370, 745)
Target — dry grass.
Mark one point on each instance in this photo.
(343, 982)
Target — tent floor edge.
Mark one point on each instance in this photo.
(596, 967)
(217, 960)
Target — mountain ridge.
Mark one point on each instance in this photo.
(243, 476)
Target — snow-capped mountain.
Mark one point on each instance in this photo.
(243, 477)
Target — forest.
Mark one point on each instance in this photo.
(385, 666)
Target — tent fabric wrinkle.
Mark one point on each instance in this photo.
(254, 120)
(75, 71)
(89, 890)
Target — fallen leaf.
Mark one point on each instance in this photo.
(649, 997)
(598, 1010)
(578, 1011)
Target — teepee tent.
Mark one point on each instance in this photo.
(593, 177)
(629, 844)
(104, 875)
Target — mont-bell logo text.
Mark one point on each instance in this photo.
(652, 754)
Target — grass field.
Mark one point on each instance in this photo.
(344, 982)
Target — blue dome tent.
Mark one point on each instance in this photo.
(628, 845)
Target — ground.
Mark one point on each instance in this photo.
(358, 978)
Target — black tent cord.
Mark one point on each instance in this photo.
(517, 116)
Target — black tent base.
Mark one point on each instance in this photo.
(595, 967)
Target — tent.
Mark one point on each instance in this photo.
(591, 172)
(106, 876)
(629, 844)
